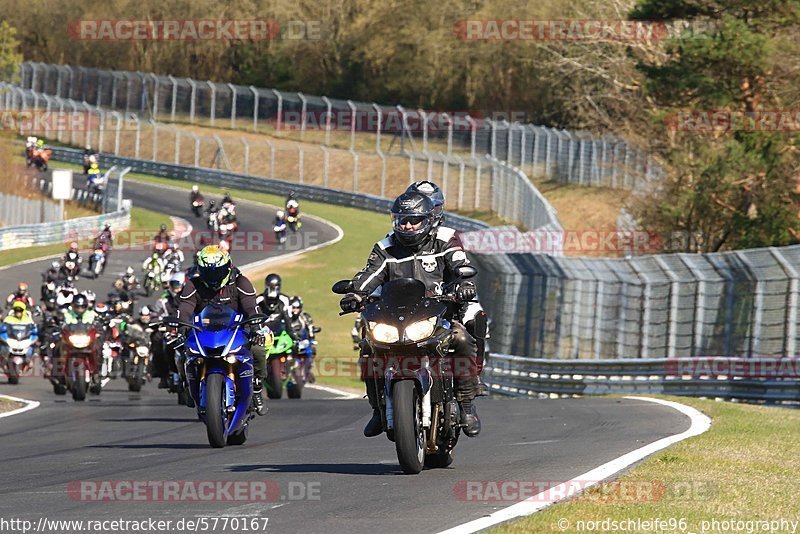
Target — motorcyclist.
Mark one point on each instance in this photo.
(280, 225)
(21, 294)
(72, 254)
(472, 316)
(302, 323)
(89, 158)
(129, 280)
(166, 306)
(174, 254)
(19, 314)
(120, 292)
(417, 249)
(227, 199)
(91, 298)
(155, 263)
(138, 331)
(293, 210)
(161, 240)
(104, 240)
(219, 281)
(80, 313)
(195, 195)
(272, 289)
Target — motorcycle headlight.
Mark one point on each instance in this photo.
(231, 359)
(80, 341)
(384, 333)
(421, 329)
(19, 344)
(142, 351)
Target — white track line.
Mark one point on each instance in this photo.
(344, 395)
(699, 424)
(30, 405)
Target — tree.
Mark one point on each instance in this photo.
(10, 56)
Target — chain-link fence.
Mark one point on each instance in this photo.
(575, 157)
(470, 184)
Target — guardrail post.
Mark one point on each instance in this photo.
(790, 319)
(213, 110)
(328, 120)
(352, 124)
(255, 107)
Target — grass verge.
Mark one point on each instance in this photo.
(6, 405)
(743, 469)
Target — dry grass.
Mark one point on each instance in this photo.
(6, 405)
(744, 468)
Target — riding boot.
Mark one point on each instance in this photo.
(375, 425)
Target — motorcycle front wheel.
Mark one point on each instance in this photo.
(409, 436)
(215, 410)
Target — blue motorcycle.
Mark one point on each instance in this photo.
(219, 371)
(17, 345)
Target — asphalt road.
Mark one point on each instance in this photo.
(322, 475)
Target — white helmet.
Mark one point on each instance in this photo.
(90, 296)
(280, 214)
(195, 189)
(129, 270)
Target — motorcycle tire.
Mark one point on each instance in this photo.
(215, 410)
(294, 389)
(439, 460)
(408, 432)
(135, 386)
(13, 374)
(182, 395)
(274, 382)
(79, 388)
(59, 389)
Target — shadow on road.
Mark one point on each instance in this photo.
(152, 420)
(340, 469)
(152, 446)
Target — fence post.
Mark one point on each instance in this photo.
(156, 83)
(279, 118)
(300, 158)
(233, 105)
(699, 305)
(154, 124)
(493, 138)
(460, 203)
(790, 319)
(355, 169)
(177, 145)
(378, 130)
(672, 306)
(472, 135)
(424, 116)
(477, 184)
(325, 162)
(138, 135)
(754, 347)
(192, 99)
(101, 129)
(303, 111)
(328, 121)
(450, 125)
(117, 130)
(174, 98)
(522, 151)
(271, 158)
(383, 172)
(352, 124)
(255, 107)
(246, 156)
(213, 110)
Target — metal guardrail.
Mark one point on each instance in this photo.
(752, 379)
(34, 235)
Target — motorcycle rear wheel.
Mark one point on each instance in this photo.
(274, 383)
(409, 436)
(215, 410)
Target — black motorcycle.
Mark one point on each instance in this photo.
(409, 336)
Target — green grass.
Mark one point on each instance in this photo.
(6, 405)
(312, 274)
(142, 220)
(744, 468)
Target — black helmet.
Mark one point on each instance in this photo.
(80, 304)
(272, 285)
(163, 227)
(296, 302)
(416, 209)
(432, 191)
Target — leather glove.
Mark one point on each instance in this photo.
(350, 302)
(465, 292)
(259, 337)
(174, 340)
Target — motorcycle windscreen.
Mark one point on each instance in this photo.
(19, 331)
(403, 293)
(216, 317)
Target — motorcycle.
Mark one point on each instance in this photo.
(409, 336)
(77, 354)
(227, 229)
(17, 343)
(48, 290)
(97, 262)
(213, 221)
(40, 157)
(137, 362)
(219, 371)
(96, 182)
(282, 367)
(88, 160)
(197, 207)
(294, 222)
(72, 269)
(280, 232)
(65, 293)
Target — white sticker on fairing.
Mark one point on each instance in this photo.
(459, 255)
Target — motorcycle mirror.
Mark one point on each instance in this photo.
(466, 271)
(258, 317)
(343, 287)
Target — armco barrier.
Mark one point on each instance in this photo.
(34, 235)
(761, 379)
